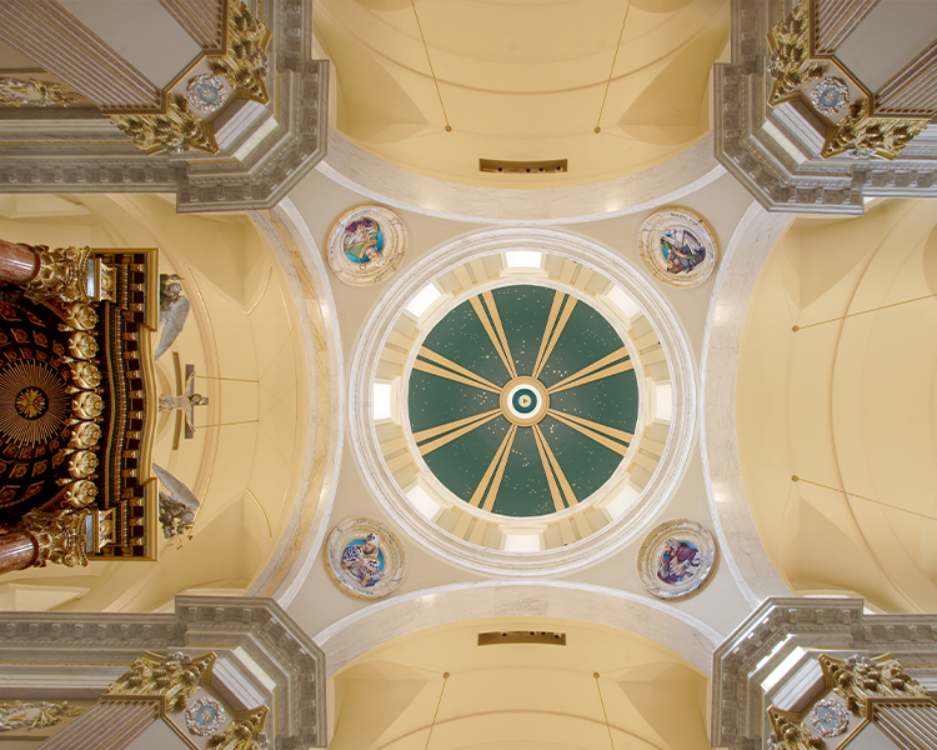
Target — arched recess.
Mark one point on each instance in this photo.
(846, 404)
(581, 686)
(352, 636)
(739, 267)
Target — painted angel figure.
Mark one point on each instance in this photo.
(173, 311)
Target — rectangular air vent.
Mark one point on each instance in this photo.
(521, 636)
(551, 166)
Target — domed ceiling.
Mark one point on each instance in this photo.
(523, 80)
(523, 401)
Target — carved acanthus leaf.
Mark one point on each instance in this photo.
(860, 134)
(789, 733)
(789, 63)
(244, 62)
(244, 734)
(60, 536)
(16, 92)
(178, 129)
(176, 676)
(858, 678)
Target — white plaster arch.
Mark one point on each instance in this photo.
(740, 544)
(672, 339)
(668, 182)
(662, 623)
(302, 539)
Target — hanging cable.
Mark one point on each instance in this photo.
(796, 478)
(608, 83)
(445, 677)
(795, 329)
(426, 49)
(604, 712)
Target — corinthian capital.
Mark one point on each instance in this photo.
(62, 275)
(60, 536)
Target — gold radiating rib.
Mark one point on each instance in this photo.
(440, 442)
(590, 433)
(606, 373)
(486, 384)
(448, 374)
(551, 319)
(617, 354)
(554, 490)
(561, 477)
(497, 463)
(557, 332)
(483, 317)
(496, 317)
(432, 432)
(602, 429)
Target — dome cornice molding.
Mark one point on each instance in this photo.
(667, 473)
(355, 169)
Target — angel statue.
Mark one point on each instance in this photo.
(173, 310)
(178, 505)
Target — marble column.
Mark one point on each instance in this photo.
(18, 550)
(18, 263)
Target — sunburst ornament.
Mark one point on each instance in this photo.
(33, 402)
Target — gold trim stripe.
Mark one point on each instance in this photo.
(440, 359)
(449, 375)
(591, 434)
(499, 475)
(612, 432)
(446, 439)
(554, 490)
(606, 373)
(571, 499)
(486, 477)
(557, 332)
(432, 432)
(551, 319)
(483, 317)
(615, 355)
(496, 318)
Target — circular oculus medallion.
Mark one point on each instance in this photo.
(677, 247)
(206, 93)
(830, 96)
(522, 401)
(676, 559)
(205, 716)
(829, 717)
(365, 558)
(366, 245)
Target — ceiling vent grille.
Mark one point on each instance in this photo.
(522, 636)
(551, 166)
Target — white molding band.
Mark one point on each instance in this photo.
(355, 169)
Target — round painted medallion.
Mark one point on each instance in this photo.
(365, 558)
(366, 245)
(676, 559)
(205, 716)
(677, 247)
(207, 93)
(34, 402)
(522, 401)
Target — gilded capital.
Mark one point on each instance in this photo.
(177, 130)
(244, 62)
(176, 677)
(859, 678)
(790, 64)
(34, 714)
(62, 275)
(860, 134)
(59, 536)
(244, 734)
(789, 733)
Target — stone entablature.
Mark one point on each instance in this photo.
(769, 639)
(71, 656)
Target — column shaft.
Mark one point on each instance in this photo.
(18, 263)
(17, 551)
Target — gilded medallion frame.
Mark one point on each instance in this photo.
(393, 566)
(650, 558)
(679, 269)
(392, 244)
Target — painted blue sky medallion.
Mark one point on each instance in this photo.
(523, 400)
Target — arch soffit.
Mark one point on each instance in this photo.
(355, 169)
(742, 550)
(661, 623)
(302, 264)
